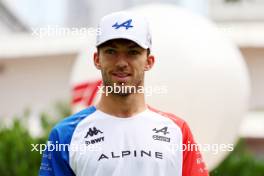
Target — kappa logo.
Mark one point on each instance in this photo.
(126, 24)
(92, 132)
(163, 130)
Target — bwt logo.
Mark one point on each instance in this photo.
(92, 132)
(94, 141)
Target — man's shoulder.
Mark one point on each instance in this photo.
(185, 129)
(65, 128)
(177, 120)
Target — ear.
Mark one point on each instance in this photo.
(96, 61)
(149, 62)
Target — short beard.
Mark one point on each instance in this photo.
(107, 82)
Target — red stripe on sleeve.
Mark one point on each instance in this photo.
(193, 164)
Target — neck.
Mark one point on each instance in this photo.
(122, 106)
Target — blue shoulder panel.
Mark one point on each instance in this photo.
(56, 162)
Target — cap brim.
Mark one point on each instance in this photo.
(123, 37)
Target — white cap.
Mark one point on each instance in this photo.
(124, 25)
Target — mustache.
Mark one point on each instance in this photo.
(118, 70)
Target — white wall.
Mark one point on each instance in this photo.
(255, 62)
(33, 82)
(243, 10)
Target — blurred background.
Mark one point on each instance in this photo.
(35, 72)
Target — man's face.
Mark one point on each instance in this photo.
(122, 62)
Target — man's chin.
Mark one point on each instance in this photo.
(122, 94)
(121, 84)
(122, 89)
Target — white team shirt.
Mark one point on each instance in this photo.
(99, 144)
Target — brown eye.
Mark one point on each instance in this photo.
(133, 52)
(110, 51)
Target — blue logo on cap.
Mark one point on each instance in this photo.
(126, 24)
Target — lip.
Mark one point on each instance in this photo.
(120, 76)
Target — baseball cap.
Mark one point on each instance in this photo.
(124, 25)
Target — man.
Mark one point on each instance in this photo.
(121, 135)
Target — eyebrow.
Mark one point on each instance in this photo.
(112, 45)
(132, 45)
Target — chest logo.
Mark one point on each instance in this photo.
(92, 132)
(163, 130)
(162, 134)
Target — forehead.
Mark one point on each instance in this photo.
(119, 42)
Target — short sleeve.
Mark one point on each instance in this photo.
(193, 164)
(55, 162)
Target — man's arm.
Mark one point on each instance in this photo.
(55, 163)
(193, 164)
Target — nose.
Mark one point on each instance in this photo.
(121, 62)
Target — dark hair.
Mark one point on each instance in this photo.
(99, 47)
(109, 41)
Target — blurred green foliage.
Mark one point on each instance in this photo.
(17, 159)
(240, 162)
